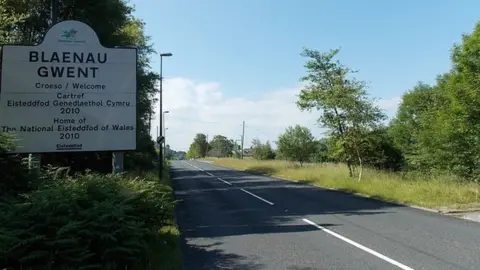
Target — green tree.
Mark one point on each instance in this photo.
(221, 146)
(322, 151)
(201, 142)
(437, 126)
(9, 18)
(199, 147)
(347, 111)
(192, 151)
(169, 153)
(412, 124)
(380, 151)
(262, 151)
(268, 152)
(460, 121)
(297, 144)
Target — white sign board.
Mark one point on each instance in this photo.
(69, 93)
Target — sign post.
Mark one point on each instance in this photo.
(117, 162)
(69, 93)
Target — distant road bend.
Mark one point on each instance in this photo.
(235, 220)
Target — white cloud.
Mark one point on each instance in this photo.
(197, 107)
(389, 105)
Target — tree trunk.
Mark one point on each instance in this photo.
(341, 130)
(350, 169)
(360, 170)
(360, 162)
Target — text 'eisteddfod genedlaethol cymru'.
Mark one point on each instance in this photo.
(69, 93)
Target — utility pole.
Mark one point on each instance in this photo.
(160, 111)
(206, 151)
(243, 137)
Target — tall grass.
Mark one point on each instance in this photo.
(441, 191)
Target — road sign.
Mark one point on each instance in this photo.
(69, 93)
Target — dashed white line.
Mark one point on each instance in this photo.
(357, 245)
(191, 165)
(258, 197)
(228, 183)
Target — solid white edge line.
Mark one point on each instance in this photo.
(355, 244)
(258, 197)
(228, 183)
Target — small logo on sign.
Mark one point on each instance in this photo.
(70, 36)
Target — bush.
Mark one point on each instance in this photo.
(15, 177)
(139, 161)
(87, 222)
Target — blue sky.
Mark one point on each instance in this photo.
(251, 48)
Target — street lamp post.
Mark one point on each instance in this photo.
(160, 154)
(165, 143)
(164, 133)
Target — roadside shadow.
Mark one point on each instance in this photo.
(262, 170)
(211, 257)
(223, 230)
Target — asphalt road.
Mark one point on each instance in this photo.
(235, 220)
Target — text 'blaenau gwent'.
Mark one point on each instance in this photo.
(66, 58)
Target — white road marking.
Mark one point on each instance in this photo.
(191, 165)
(228, 183)
(194, 166)
(258, 197)
(210, 174)
(355, 244)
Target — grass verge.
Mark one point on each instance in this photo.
(170, 255)
(440, 192)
